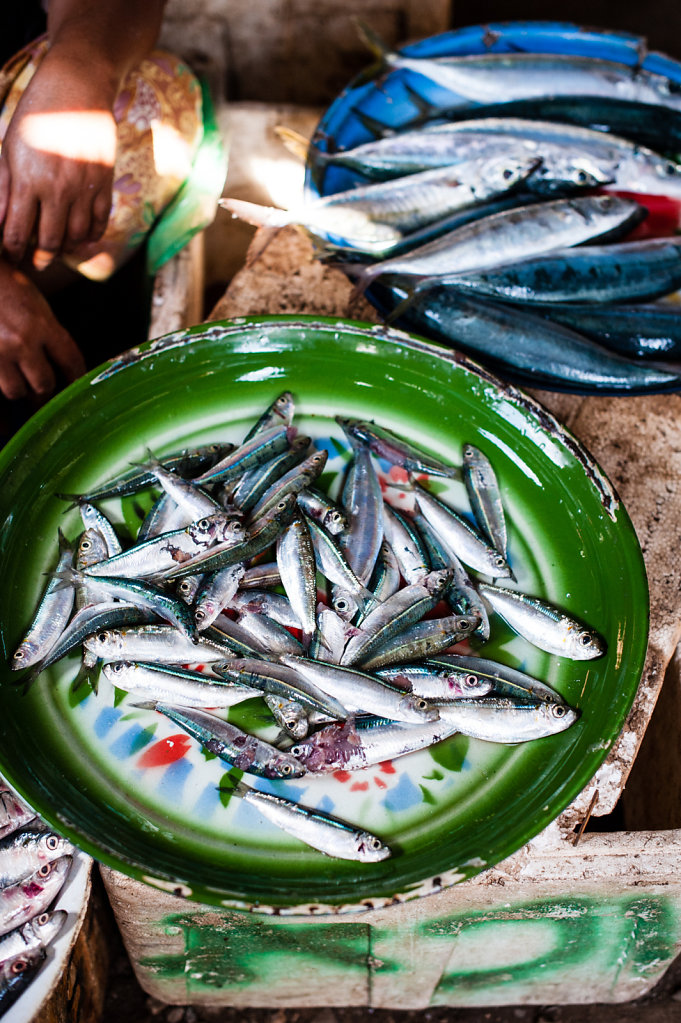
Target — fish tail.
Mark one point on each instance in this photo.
(254, 213)
(233, 786)
(76, 500)
(26, 681)
(87, 673)
(294, 142)
(64, 542)
(373, 41)
(151, 463)
(66, 577)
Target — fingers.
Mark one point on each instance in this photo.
(12, 382)
(101, 211)
(53, 218)
(34, 369)
(22, 210)
(53, 224)
(38, 373)
(4, 188)
(78, 225)
(66, 354)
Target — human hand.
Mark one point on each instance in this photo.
(56, 164)
(32, 343)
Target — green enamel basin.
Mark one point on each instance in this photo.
(127, 788)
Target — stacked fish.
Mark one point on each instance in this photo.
(337, 614)
(34, 864)
(473, 215)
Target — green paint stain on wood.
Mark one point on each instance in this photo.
(610, 936)
(248, 952)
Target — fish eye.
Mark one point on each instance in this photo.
(581, 177)
(19, 966)
(117, 666)
(508, 173)
(670, 169)
(286, 769)
(45, 870)
(52, 842)
(585, 639)
(43, 919)
(375, 843)
(421, 704)
(102, 637)
(203, 523)
(85, 545)
(341, 604)
(465, 626)
(558, 710)
(471, 681)
(19, 655)
(296, 751)
(499, 561)
(199, 615)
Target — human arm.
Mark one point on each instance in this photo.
(56, 165)
(32, 343)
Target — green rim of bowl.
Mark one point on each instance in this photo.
(194, 383)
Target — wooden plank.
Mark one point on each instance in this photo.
(554, 923)
(177, 298)
(80, 992)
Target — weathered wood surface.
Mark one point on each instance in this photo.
(80, 992)
(177, 297)
(300, 51)
(554, 923)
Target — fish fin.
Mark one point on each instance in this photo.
(255, 214)
(378, 129)
(364, 276)
(424, 107)
(145, 705)
(296, 143)
(412, 289)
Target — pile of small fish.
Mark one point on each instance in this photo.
(337, 613)
(34, 864)
(494, 221)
